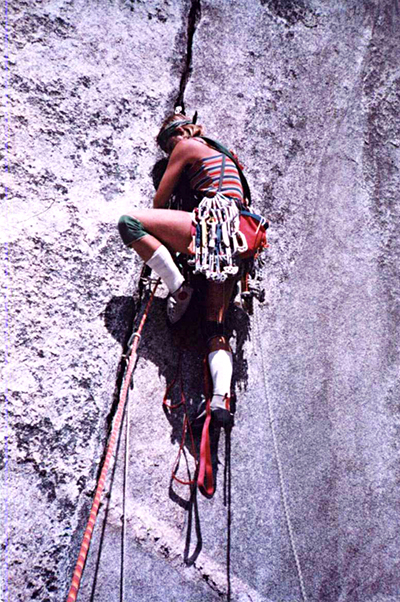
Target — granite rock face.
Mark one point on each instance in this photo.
(307, 93)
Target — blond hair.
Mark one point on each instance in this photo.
(189, 129)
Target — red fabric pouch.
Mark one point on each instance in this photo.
(254, 228)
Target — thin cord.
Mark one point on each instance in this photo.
(278, 461)
(87, 537)
(124, 508)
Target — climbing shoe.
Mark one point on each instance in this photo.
(178, 303)
(220, 411)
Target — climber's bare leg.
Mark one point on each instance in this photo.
(218, 296)
(165, 226)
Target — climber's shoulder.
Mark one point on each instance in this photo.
(192, 149)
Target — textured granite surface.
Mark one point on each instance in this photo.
(307, 93)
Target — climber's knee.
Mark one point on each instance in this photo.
(130, 229)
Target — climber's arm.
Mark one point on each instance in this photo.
(178, 160)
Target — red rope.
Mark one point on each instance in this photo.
(77, 575)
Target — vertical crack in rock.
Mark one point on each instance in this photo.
(193, 21)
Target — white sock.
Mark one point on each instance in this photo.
(221, 368)
(163, 265)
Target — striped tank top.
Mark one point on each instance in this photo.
(216, 174)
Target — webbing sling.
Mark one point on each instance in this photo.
(186, 426)
(205, 479)
(203, 475)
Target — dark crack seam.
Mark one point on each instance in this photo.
(193, 21)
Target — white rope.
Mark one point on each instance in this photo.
(278, 460)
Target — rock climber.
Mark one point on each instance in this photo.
(207, 233)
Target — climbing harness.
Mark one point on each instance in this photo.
(278, 461)
(130, 357)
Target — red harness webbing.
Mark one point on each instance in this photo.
(205, 480)
(186, 425)
(203, 471)
(76, 578)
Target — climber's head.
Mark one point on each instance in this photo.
(174, 128)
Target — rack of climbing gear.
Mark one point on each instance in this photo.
(146, 295)
(217, 239)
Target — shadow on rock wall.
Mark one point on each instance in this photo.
(184, 377)
(184, 344)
